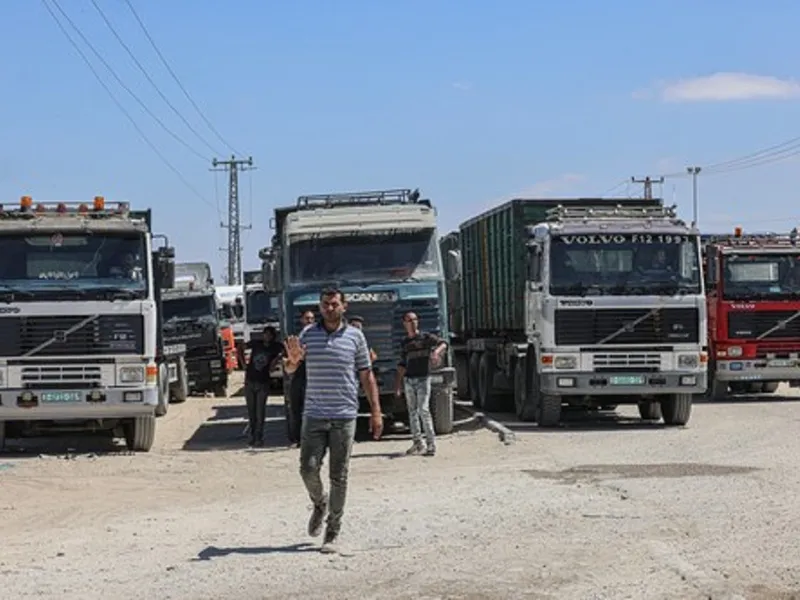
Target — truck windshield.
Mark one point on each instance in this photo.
(759, 275)
(188, 308)
(624, 264)
(261, 307)
(88, 265)
(395, 256)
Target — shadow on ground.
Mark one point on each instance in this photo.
(225, 430)
(65, 445)
(212, 552)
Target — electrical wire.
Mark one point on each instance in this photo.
(122, 109)
(122, 83)
(130, 53)
(178, 81)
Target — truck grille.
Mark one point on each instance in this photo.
(383, 323)
(623, 361)
(747, 325)
(56, 376)
(583, 327)
(71, 335)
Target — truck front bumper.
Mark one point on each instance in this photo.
(776, 369)
(574, 383)
(206, 373)
(78, 404)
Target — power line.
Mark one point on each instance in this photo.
(122, 83)
(150, 79)
(119, 105)
(233, 166)
(178, 81)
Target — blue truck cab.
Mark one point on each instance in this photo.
(380, 248)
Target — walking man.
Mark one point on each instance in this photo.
(263, 356)
(333, 352)
(297, 390)
(418, 352)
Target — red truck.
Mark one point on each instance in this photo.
(753, 295)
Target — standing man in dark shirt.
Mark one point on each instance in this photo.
(418, 352)
(297, 390)
(263, 355)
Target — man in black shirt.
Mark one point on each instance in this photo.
(297, 391)
(263, 356)
(418, 352)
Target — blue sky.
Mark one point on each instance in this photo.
(472, 104)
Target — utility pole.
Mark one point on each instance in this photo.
(694, 172)
(234, 250)
(648, 185)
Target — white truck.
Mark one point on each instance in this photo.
(81, 346)
(581, 302)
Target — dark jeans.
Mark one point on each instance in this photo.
(319, 436)
(256, 395)
(294, 415)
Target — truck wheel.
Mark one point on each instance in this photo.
(220, 390)
(474, 383)
(650, 411)
(490, 401)
(181, 390)
(677, 408)
(715, 390)
(523, 404)
(163, 390)
(442, 411)
(140, 433)
(2, 435)
(770, 387)
(755, 388)
(548, 410)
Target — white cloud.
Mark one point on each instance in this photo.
(723, 87)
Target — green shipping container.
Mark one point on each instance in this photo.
(493, 250)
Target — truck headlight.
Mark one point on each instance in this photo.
(688, 361)
(131, 375)
(565, 362)
(735, 351)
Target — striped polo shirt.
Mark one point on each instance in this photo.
(333, 361)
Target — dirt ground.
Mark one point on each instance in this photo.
(605, 508)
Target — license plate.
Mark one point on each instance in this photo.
(780, 362)
(61, 397)
(627, 380)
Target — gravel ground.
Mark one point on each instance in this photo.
(606, 508)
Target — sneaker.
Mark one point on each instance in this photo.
(317, 517)
(416, 448)
(329, 545)
(430, 451)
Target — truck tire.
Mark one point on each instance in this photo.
(140, 433)
(676, 409)
(474, 384)
(442, 411)
(163, 390)
(715, 390)
(650, 411)
(2, 436)
(548, 410)
(755, 388)
(770, 387)
(180, 392)
(220, 390)
(524, 404)
(490, 401)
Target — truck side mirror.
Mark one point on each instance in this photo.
(270, 276)
(165, 267)
(453, 267)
